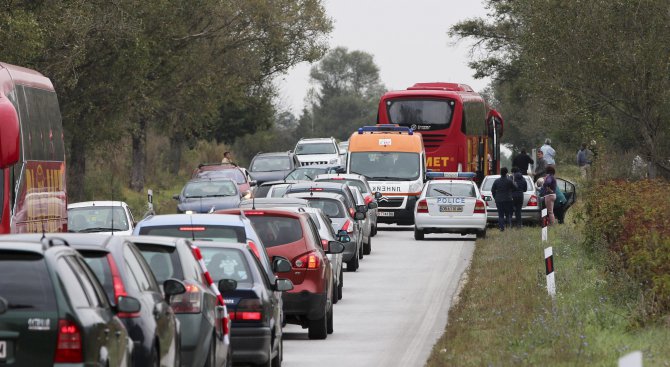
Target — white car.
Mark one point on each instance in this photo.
(103, 217)
(530, 211)
(318, 151)
(450, 206)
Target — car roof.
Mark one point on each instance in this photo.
(32, 242)
(317, 194)
(210, 179)
(278, 201)
(84, 204)
(183, 219)
(313, 184)
(346, 176)
(24, 246)
(275, 154)
(316, 140)
(235, 245)
(156, 240)
(217, 166)
(272, 183)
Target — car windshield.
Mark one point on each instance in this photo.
(227, 263)
(207, 232)
(466, 189)
(305, 173)
(386, 166)
(97, 219)
(214, 188)
(275, 231)
(315, 148)
(330, 207)
(267, 164)
(431, 112)
(232, 173)
(25, 283)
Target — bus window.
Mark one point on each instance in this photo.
(433, 113)
(40, 117)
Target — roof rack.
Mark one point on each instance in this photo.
(48, 242)
(385, 128)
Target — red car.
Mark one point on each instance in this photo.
(296, 237)
(226, 170)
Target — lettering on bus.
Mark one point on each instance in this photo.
(438, 161)
(44, 200)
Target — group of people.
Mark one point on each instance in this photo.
(508, 191)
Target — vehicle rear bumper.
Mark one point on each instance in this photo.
(250, 344)
(450, 224)
(400, 215)
(311, 305)
(527, 215)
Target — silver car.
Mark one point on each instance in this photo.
(366, 223)
(530, 211)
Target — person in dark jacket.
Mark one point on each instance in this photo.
(520, 187)
(522, 161)
(502, 194)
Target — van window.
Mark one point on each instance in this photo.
(386, 166)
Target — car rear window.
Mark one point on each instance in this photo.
(466, 189)
(200, 232)
(227, 263)
(97, 261)
(276, 231)
(25, 282)
(267, 164)
(487, 184)
(163, 261)
(330, 207)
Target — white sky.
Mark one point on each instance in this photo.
(408, 39)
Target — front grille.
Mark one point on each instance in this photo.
(433, 140)
(312, 163)
(391, 202)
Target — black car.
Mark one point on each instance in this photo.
(255, 306)
(53, 310)
(205, 195)
(203, 325)
(272, 166)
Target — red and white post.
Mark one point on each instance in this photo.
(548, 256)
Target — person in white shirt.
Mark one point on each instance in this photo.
(549, 153)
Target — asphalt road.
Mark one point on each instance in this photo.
(394, 308)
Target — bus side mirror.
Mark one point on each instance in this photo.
(9, 133)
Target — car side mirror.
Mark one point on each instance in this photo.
(227, 285)
(173, 287)
(175, 196)
(283, 285)
(359, 216)
(253, 183)
(335, 247)
(378, 195)
(280, 264)
(372, 205)
(4, 305)
(128, 304)
(344, 239)
(361, 208)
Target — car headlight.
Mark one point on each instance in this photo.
(334, 160)
(416, 186)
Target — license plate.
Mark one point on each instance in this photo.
(450, 209)
(385, 214)
(3, 349)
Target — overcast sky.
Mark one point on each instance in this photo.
(408, 40)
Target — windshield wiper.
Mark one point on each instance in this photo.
(216, 195)
(98, 229)
(308, 177)
(443, 192)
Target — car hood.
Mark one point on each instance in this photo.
(204, 205)
(261, 177)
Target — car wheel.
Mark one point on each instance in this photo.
(418, 234)
(330, 321)
(374, 231)
(318, 329)
(352, 265)
(367, 247)
(276, 361)
(211, 356)
(482, 233)
(229, 357)
(335, 286)
(155, 362)
(360, 251)
(340, 285)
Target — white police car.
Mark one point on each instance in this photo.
(450, 203)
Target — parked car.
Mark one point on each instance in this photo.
(309, 172)
(226, 170)
(53, 310)
(450, 206)
(255, 306)
(103, 217)
(295, 237)
(204, 195)
(318, 151)
(204, 326)
(361, 182)
(272, 166)
(530, 211)
(332, 205)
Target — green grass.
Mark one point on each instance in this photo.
(504, 316)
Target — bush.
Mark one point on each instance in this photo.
(629, 224)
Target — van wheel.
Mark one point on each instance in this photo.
(367, 247)
(418, 234)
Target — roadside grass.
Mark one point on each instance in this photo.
(504, 316)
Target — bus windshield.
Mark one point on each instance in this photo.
(427, 113)
(386, 166)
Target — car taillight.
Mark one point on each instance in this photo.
(422, 206)
(254, 249)
(248, 310)
(532, 201)
(68, 347)
(309, 261)
(119, 289)
(324, 243)
(480, 207)
(348, 226)
(352, 212)
(368, 199)
(189, 301)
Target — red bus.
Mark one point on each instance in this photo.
(33, 196)
(461, 133)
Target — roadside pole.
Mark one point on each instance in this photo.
(548, 258)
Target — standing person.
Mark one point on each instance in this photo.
(548, 192)
(559, 205)
(540, 167)
(227, 158)
(549, 153)
(584, 160)
(520, 187)
(502, 194)
(522, 161)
